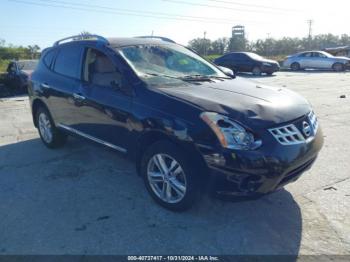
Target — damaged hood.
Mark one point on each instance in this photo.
(252, 104)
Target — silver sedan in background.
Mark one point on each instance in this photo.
(316, 60)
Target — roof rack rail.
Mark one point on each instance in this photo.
(81, 38)
(158, 37)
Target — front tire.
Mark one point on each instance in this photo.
(295, 66)
(49, 134)
(169, 176)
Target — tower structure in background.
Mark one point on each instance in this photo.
(238, 41)
(310, 23)
(238, 31)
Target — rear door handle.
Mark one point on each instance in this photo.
(78, 97)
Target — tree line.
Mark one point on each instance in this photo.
(10, 52)
(268, 47)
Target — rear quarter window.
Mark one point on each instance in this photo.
(68, 61)
(49, 56)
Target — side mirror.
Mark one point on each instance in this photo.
(227, 71)
(11, 69)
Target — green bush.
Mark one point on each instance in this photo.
(3, 65)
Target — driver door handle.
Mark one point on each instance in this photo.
(78, 97)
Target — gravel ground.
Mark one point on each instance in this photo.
(86, 199)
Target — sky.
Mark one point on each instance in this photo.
(27, 22)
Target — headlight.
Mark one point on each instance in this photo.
(230, 134)
(266, 64)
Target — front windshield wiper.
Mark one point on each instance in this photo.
(220, 77)
(202, 77)
(161, 75)
(189, 77)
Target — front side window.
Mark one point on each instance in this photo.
(68, 61)
(236, 56)
(322, 55)
(100, 70)
(167, 60)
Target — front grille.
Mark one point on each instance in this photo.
(287, 135)
(291, 135)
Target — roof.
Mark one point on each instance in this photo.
(115, 42)
(128, 41)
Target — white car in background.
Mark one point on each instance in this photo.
(316, 60)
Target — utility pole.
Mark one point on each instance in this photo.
(204, 44)
(310, 23)
(268, 47)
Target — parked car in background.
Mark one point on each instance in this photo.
(180, 118)
(316, 60)
(248, 62)
(18, 73)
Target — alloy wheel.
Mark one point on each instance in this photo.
(166, 178)
(45, 128)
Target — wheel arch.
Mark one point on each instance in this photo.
(295, 63)
(151, 137)
(37, 103)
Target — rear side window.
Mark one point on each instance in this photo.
(306, 55)
(48, 58)
(68, 61)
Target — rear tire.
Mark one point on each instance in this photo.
(169, 176)
(49, 134)
(338, 67)
(295, 66)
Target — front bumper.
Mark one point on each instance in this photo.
(270, 69)
(253, 173)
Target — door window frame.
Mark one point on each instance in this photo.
(125, 89)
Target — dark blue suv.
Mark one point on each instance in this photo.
(184, 121)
